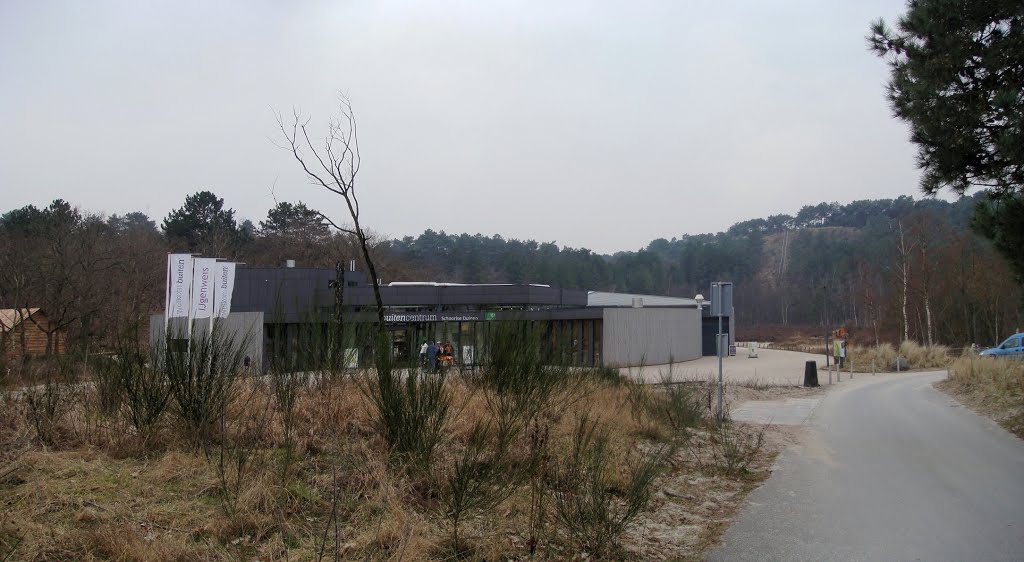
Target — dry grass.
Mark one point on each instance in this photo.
(96, 491)
(882, 357)
(992, 386)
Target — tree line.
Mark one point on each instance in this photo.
(98, 277)
(888, 269)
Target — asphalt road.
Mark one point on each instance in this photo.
(891, 469)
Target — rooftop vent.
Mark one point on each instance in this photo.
(290, 264)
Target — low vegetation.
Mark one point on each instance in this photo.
(107, 461)
(879, 358)
(883, 357)
(993, 386)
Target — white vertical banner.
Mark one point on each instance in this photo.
(225, 275)
(179, 280)
(202, 288)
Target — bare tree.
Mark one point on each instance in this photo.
(929, 232)
(334, 165)
(904, 250)
(868, 292)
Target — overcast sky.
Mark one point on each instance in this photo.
(595, 124)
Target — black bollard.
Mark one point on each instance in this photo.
(811, 373)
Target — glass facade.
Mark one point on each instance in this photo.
(570, 342)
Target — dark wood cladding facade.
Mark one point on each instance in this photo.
(306, 294)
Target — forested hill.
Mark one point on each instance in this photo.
(856, 256)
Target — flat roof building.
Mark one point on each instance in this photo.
(588, 328)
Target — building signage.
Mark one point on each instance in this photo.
(203, 282)
(225, 278)
(179, 281)
(435, 317)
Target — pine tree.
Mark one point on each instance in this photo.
(957, 78)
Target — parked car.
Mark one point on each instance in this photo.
(1013, 346)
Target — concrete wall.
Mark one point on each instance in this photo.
(246, 328)
(650, 336)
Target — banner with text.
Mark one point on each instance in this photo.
(225, 287)
(179, 280)
(203, 287)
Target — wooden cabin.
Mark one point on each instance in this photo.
(23, 331)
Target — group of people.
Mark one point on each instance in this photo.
(436, 354)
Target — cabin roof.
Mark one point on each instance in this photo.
(11, 317)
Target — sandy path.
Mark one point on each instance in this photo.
(772, 366)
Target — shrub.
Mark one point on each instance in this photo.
(519, 380)
(109, 395)
(201, 378)
(734, 447)
(50, 401)
(130, 380)
(676, 407)
(47, 404)
(411, 409)
(593, 505)
(477, 482)
(289, 374)
(537, 467)
(240, 453)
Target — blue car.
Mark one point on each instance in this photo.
(1012, 347)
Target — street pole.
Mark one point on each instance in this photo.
(721, 301)
(828, 332)
(721, 412)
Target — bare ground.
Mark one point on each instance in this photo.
(693, 507)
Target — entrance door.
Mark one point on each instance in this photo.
(400, 346)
